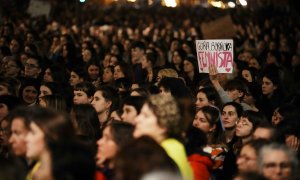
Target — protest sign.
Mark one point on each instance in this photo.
(218, 52)
(39, 8)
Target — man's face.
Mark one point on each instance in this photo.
(18, 135)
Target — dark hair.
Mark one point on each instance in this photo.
(56, 126)
(238, 108)
(126, 69)
(176, 86)
(20, 113)
(110, 94)
(143, 149)
(142, 91)
(136, 101)
(212, 95)
(257, 144)
(212, 114)
(254, 117)
(236, 84)
(121, 132)
(138, 44)
(56, 102)
(196, 140)
(86, 87)
(59, 74)
(151, 57)
(250, 176)
(55, 87)
(80, 72)
(86, 120)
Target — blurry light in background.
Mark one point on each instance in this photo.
(231, 4)
(131, 0)
(217, 4)
(170, 3)
(243, 2)
(82, 1)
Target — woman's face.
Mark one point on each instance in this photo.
(80, 97)
(35, 142)
(244, 127)
(188, 66)
(229, 116)
(44, 90)
(75, 79)
(48, 76)
(202, 123)
(99, 103)
(118, 73)
(268, 87)
(146, 123)
(201, 100)
(93, 72)
(247, 75)
(3, 111)
(107, 75)
(176, 58)
(247, 160)
(107, 147)
(29, 94)
(145, 62)
(86, 55)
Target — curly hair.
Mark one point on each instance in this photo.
(167, 112)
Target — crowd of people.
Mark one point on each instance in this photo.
(118, 95)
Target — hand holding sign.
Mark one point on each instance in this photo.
(213, 73)
(216, 52)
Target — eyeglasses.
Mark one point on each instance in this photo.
(242, 122)
(31, 65)
(273, 165)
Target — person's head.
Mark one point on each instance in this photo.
(174, 87)
(19, 126)
(55, 73)
(254, 63)
(283, 111)
(105, 100)
(32, 67)
(231, 112)
(277, 161)
(29, 91)
(12, 67)
(196, 140)
(93, 70)
(9, 86)
(115, 136)
(247, 123)
(166, 72)
(83, 93)
(178, 56)
(108, 74)
(131, 108)
(264, 131)
(249, 74)
(138, 49)
(56, 102)
(85, 120)
(159, 118)
(47, 126)
(208, 120)
(49, 88)
(143, 149)
(148, 60)
(7, 104)
(236, 90)
(190, 64)
(122, 70)
(247, 159)
(270, 81)
(208, 96)
(77, 75)
(139, 92)
(249, 176)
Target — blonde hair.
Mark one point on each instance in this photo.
(168, 72)
(167, 112)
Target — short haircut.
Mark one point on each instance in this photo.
(86, 87)
(138, 44)
(136, 101)
(236, 84)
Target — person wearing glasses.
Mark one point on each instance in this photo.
(32, 67)
(277, 161)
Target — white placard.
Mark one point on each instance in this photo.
(218, 52)
(39, 8)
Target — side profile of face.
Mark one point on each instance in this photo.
(107, 147)
(276, 165)
(146, 123)
(80, 97)
(244, 127)
(35, 142)
(247, 160)
(201, 100)
(129, 113)
(17, 137)
(268, 87)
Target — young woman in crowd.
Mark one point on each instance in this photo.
(160, 119)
